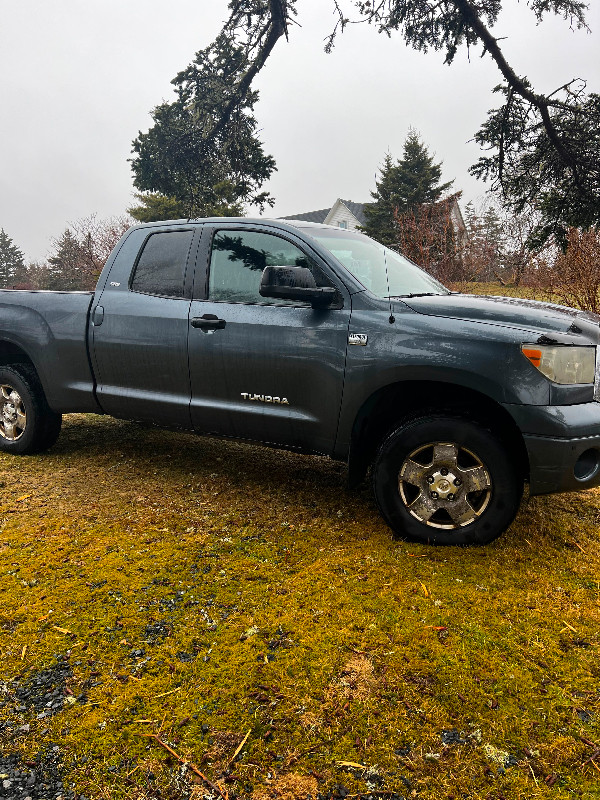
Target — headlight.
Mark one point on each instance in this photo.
(566, 364)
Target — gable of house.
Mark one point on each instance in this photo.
(343, 214)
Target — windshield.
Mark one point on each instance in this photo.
(369, 261)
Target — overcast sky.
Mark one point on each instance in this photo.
(78, 79)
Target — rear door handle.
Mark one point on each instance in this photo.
(208, 322)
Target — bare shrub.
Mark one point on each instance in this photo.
(78, 256)
(573, 277)
(497, 246)
(519, 260)
(97, 238)
(427, 235)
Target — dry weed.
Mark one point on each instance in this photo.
(288, 787)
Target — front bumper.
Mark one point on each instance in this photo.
(563, 446)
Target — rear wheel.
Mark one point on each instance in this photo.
(27, 424)
(445, 480)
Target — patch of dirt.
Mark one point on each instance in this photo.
(310, 721)
(423, 681)
(222, 746)
(355, 682)
(288, 787)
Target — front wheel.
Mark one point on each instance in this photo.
(445, 480)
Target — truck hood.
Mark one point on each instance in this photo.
(509, 311)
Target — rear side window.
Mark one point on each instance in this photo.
(161, 266)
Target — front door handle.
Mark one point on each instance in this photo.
(208, 322)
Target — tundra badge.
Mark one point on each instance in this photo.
(357, 338)
(266, 398)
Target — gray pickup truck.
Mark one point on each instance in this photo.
(319, 340)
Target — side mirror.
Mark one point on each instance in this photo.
(295, 283)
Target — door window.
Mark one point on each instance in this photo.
(238, 259)
(161, 266)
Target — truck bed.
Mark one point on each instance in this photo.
(51, 328)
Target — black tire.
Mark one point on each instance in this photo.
(27, 423)
(445, 480)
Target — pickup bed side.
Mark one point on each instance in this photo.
(49, 331)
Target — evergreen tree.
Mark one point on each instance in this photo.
(193, 156)
(12, 266)
(380, 219)
(155, 207)
(67, 267)
(413, 181)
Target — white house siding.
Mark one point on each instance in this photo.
(339, 213)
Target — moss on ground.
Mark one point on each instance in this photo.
(201, 589)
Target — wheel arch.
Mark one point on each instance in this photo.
(11, 353)
(388, 406)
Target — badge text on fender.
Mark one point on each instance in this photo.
(358, 338)
(266, 398)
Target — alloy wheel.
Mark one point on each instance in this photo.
(13, 417)
(444, 485)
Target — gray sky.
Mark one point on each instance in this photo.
(78, 79)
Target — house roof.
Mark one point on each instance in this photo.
(310, 216)
(357, 209)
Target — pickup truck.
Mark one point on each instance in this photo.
(319, 340)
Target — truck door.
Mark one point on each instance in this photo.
(139, 329)
(260, 368)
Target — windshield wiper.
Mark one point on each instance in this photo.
(418, 294)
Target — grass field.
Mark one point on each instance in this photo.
(160, 590)
(497, 289)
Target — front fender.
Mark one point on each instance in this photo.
(417, 348)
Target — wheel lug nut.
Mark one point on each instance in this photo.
(434, 495)
(450, 496)
(457, 482)
(444, 471)
(430, 479)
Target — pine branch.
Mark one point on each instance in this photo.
(274, 29)
(518, 85)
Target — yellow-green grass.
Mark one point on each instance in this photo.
(495, 289)
(268, 599)
(365, 646)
